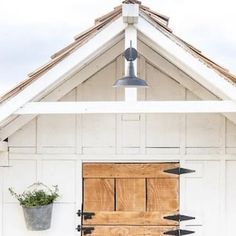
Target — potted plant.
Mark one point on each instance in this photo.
(37, 203)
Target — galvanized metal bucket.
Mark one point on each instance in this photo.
(38, 218)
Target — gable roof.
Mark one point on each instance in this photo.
(155, 18)
(109, 28)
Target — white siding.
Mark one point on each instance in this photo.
(99, 87)
(62, 172)
(98, 130)
(162, 87)
(131, 133)
(203, 130)
(202, 196)
(21, 174)
(58, 130)
(25, 136)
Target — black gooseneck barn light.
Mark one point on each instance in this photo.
(130, 80)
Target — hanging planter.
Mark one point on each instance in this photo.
(37, 203)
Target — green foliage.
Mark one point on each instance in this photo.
(36, 197)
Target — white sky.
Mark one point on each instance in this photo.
(31, 31)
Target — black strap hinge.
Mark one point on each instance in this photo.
(86, 230)
(179, 232)
(179, 171)
(86, 215)
(179, 217)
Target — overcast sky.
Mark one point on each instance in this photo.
(31, 31)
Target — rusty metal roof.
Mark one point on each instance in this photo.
(156, 18)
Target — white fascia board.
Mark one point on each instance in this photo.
(186, 62)
(128, 107)
(65, 68)
(130, 13)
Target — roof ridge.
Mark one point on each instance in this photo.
(132, 2)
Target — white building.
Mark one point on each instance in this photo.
(66, 117)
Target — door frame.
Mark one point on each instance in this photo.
(101, 159)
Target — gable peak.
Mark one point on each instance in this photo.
(132, 2)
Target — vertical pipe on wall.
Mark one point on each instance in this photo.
(131, 35)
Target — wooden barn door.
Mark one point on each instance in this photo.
(130, 199)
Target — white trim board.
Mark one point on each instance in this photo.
(128, 107)
(123, 157)
(186, 62)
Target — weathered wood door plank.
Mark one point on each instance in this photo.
(128, 170)
(162, 194)
(99, 195)
(131, 218)
(130, 195)
(130, 230)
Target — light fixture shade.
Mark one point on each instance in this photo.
(130, 80)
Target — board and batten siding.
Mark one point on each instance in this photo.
(52, 148)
